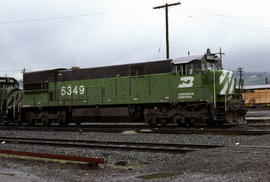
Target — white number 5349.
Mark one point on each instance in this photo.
(72, 90)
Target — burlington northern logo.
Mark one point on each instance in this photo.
(186, 82)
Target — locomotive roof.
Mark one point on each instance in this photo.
(179, 60)
(43, 71)
(140, 68)
(186, 59)
(40, 76)
(117, 65)
(133, 69)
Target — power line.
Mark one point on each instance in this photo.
(226, 21)
(224, 15)
(9, 70)
(160, 41)
(65, 17)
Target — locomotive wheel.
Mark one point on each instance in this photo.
(5, 123)
(163, 122)
(151, 123)
(61, 120)
(28, 119)
(31, 122)
(220, 123)
(189, 122)
(78, 123)
(45, 121)
(34, 122)
(179, 120)
(62, 123)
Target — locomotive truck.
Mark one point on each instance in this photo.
(184, 91)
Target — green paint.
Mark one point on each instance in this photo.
(204, 86)
(155, 88)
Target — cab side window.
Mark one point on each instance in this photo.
(3, 83)
(182, 69)
(190, 69)
(197, 67)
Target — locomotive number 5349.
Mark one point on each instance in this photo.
(72, 90)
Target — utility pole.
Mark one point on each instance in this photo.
(23, 70)
(220, 56)
(167, 24)
(241, 81)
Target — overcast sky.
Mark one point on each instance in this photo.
(48, 34)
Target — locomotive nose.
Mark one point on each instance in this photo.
(225, 83)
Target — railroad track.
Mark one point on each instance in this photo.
(90, 126)
(225, 130)
(123, 146)
(128, 146)
(208, 131)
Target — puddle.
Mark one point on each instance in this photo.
(158, 175)
(18, 176)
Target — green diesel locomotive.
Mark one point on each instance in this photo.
(10, 100)
(185, 91)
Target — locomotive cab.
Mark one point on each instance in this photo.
(6, 82)
(187, 65)
(202, 78)
(211, 62)
(190, 65)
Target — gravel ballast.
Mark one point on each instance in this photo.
(219, 164)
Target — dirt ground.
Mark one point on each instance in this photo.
(222, 164)
(234, 163)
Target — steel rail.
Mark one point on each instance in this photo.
(213, 132)
(226, 130)
(159, 147)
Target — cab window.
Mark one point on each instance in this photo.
(188, 69)
(197, 67)
(182, 69)
(2, 83)
(211, 66)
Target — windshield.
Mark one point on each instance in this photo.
(211, 65)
